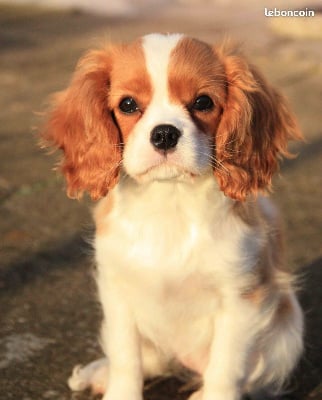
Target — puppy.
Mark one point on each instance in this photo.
(179, 140)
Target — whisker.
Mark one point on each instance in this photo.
(213, 161)
(118, 145)
(112, 169)
(219, 166)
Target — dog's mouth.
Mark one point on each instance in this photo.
(179, 164)
(165, 171)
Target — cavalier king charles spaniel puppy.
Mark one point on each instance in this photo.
(179, 140)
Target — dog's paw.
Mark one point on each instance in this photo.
(93, 376)
(77, 381)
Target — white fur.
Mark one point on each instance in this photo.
(173, 280)
(157, 49)
(171, 265)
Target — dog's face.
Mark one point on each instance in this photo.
(169, 107)
(168, 124)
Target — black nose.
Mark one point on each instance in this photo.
(165, 137)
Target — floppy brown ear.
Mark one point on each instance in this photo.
(254, 130)
(81, 124)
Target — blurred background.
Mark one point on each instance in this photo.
(49, 318)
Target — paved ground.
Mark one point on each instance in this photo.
(49, 317)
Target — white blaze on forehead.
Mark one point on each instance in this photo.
(157, 50)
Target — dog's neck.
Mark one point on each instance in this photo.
(183, 189)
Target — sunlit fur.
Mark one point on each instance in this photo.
(190, 267)
(254, 130)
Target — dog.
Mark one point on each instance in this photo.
(179, 140)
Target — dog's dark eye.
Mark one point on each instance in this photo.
(203, 103)
(128, 105)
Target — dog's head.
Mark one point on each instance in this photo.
(169, 107)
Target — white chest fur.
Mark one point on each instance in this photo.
(172, 247)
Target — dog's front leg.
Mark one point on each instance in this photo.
(234, 333)
(121, 343)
